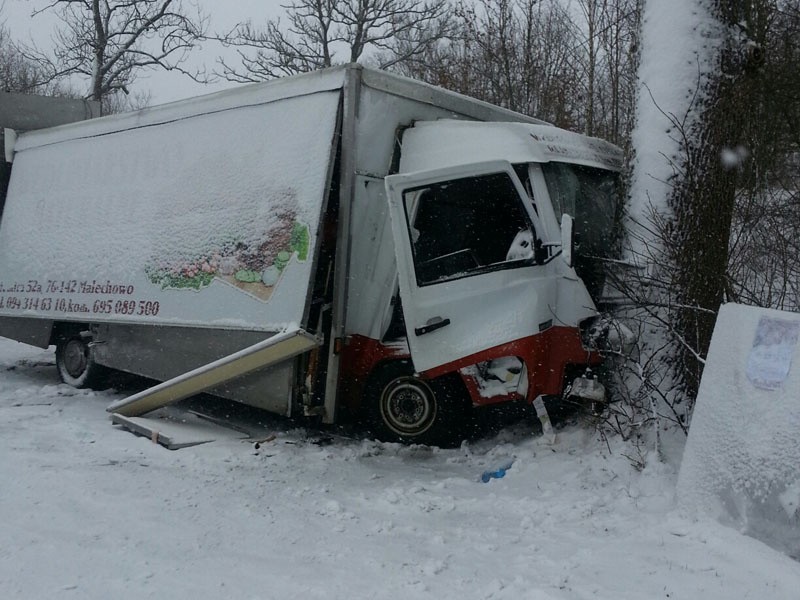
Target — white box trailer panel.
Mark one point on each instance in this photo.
(113, 233)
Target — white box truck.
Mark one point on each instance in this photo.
(342, 242)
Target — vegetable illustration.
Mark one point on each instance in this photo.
(237, 262)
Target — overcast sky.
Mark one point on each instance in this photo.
(164, 87)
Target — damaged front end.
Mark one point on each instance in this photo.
(587, 391)
(609, 337)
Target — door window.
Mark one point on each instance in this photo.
(468, 226)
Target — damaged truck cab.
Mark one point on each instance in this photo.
(342, 242)
(491, 304)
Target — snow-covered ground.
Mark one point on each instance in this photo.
(88, 511)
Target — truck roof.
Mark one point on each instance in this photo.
(450, 142)
(236, 97)
(270, 91)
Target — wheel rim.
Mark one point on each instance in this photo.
(408, 406)
(76, 358)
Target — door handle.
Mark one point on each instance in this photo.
(432, 325)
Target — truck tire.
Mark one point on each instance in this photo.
(404, 408)
(76, 365)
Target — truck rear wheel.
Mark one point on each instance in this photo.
(407, 409)
(76, 365)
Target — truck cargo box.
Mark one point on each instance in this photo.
(169, 240)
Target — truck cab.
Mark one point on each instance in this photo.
(486, 306)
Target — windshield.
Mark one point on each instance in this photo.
(591, 196)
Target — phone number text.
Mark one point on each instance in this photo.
(100, 306)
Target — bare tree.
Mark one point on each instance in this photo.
(762, 266)
(536, 57)
(515, 53)
(321, 33)
(620, 42)
(592, 13)
(109, 42)
(20, 74)
(608, 58)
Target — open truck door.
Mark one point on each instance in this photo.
(473, 282)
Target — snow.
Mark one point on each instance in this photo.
(450, 143)
(680, 40)
(93, 512)
(208, 195)
(733, 158)
(204, 104)
(742, 459)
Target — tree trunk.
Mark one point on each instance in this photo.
(99, 51)
(703, 201)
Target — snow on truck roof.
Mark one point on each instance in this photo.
(450, 142)
(238, 97)
(262, 93)
(496, 133)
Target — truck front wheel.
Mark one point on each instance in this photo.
(76, 365)
(407, 409)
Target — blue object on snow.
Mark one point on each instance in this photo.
(498, 473)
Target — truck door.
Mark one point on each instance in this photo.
(472, 278)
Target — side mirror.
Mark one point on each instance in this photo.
(567, 239)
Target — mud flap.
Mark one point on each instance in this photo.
(278, 348)
(548, 433)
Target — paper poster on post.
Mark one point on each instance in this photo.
(770, 357)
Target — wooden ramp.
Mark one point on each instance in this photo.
(278, 348)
